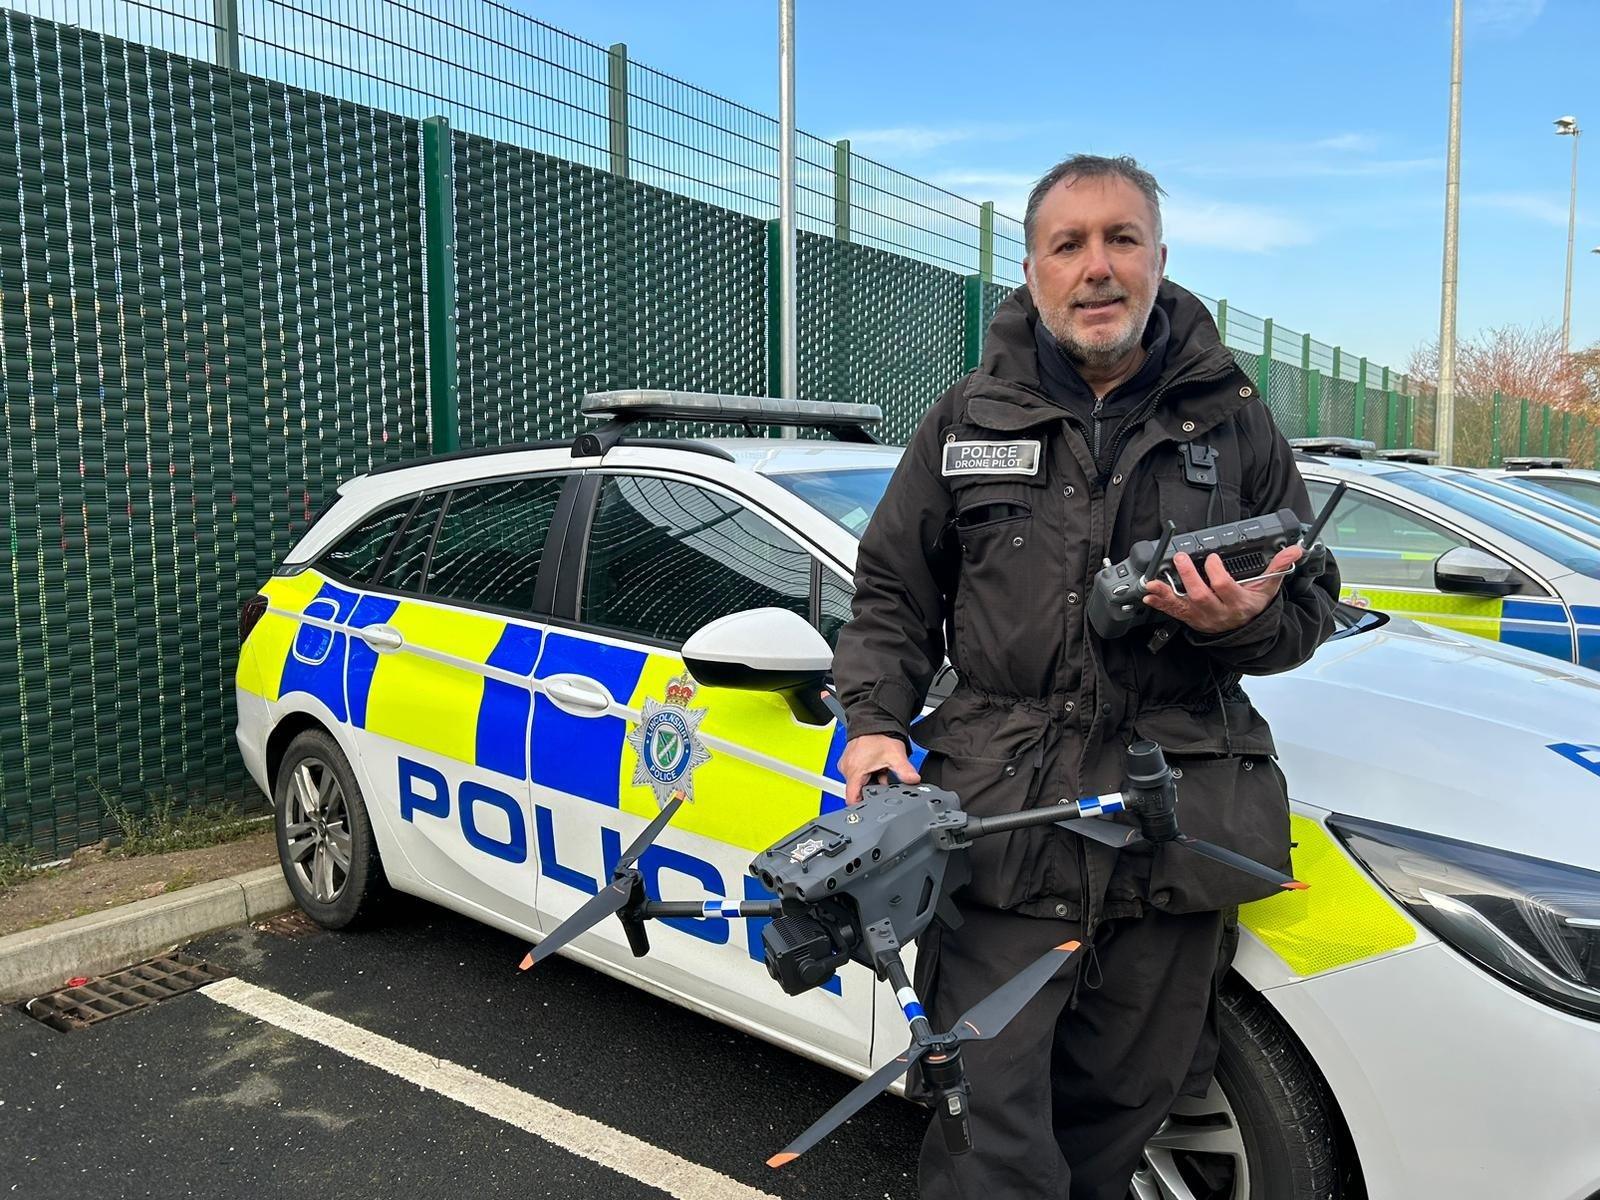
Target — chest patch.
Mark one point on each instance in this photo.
(991, 458)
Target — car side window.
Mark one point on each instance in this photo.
(834, 606)
(665, 557)
(357, 553)
(1378, 544)
(491, 542)
(403, 572)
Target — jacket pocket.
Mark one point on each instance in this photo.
(1230, 793)
(991, 757)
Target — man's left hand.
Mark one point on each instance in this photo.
(1219, 602)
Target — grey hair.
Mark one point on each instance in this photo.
(1092, 166)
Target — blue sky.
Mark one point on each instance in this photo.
(1302, 141)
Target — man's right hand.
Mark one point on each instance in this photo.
(872, 758)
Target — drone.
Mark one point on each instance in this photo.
(859, 883)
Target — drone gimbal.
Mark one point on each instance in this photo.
(858, 883)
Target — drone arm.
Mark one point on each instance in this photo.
(1065, 810)
(655, 909)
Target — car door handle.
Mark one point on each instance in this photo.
(577, 694)
(382, 638)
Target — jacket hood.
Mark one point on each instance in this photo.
(1008, 370)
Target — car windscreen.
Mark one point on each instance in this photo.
(1565, 549)
(1580, 493)
(1587, 527)
(848, 496)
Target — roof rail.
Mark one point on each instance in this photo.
(1339, 447)
(1530, 462)
(846, 422)
(1409, 454)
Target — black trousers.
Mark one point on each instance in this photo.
(1064, 1099)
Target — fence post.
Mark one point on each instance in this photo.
(841, 189)
(1544, 437)
(1522, 426)
(1305, 381)
(1361, 399)
(1264, 368)
(774, 305)
(1222, 321)
(1566, 431)
(439, 198)
(1496, 455)
(1390, 416)
(986, 242)
(617, 79)
(972, 338)
(225, 17)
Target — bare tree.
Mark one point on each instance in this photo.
(1524, 361)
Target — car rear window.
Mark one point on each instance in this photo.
(1553, 543)
(846, 497)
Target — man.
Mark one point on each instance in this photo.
(1104, 405)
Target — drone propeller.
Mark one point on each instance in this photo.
(611, 899)
(982, 1021)
(1240, 863)
(1121, 836)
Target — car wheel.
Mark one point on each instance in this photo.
(1265, 1129)
(325, 843)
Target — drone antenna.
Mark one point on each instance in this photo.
(1161, 553)
(1313, 531)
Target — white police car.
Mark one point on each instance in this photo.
(1459, 551)
(465, 683)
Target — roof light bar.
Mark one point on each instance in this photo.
(1409, 454)
(640, 404)
(1531, 462)
(1341, 447)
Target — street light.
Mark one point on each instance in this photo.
(1444, 434)
(1568, 127)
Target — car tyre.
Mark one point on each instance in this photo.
(1266, 1130)
(325, 843)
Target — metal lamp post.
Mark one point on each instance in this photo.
(1568, 127)
(1445, 412)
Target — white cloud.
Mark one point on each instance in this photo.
(1504, 16)
(903, 140)
(1347, 141)
(1222, 225)
(1008, 189)
(1284, 163)
(1532, 205)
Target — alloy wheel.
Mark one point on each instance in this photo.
(317, 830)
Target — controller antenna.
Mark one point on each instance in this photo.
(1159, 555)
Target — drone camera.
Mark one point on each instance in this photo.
(800, 953)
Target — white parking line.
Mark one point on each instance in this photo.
(576, 1134)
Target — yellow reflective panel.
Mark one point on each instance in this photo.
(267, 649)
(1341, 918)
(426, 703)
(736, 801)
(1477, 615)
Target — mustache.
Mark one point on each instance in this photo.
(1100, 297)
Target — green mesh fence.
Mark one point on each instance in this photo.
(213, 309)
(207, 288)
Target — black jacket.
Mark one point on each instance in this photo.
(995, 570)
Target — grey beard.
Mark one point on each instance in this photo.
(1097, 358)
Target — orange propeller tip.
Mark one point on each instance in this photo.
(1069, 946)
(782, 1160)
(1294, 885)
(526, 962)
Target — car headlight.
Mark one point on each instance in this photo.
(1534, 923)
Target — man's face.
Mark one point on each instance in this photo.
(1094, 267)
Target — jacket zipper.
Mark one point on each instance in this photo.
(1099, 403)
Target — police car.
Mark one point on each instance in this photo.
(466, 683)
(1460, 551)
(1552, 479)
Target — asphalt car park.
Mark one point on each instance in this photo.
(194, 1096)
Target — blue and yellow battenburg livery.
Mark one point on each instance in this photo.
(752, 771)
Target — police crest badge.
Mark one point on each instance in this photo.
(666, 743)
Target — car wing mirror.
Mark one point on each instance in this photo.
(764, 650)
(1474, 572)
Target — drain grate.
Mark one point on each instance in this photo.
(292, 924)
(125, 991)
